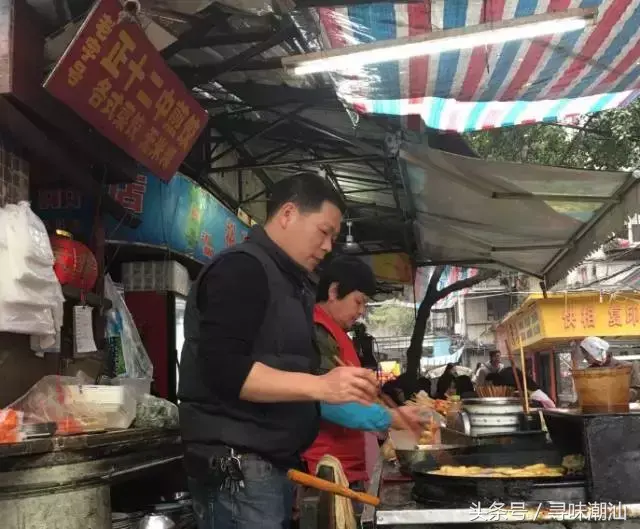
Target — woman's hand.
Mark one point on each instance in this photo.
(406, 418)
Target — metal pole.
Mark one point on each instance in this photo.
(284, 163)
(259, 133)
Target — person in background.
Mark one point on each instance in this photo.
(596, 352)
(343, 290)
(474, 376)
(364, 344)
(408, 384)
(249, 389)
(394, 391)
(493, 366)
(424, 384)
(505, 377)
(446, 384)
(464, 387)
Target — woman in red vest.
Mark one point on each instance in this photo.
(343, 291)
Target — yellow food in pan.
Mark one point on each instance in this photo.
(539, 470)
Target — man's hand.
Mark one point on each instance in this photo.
(347, 384)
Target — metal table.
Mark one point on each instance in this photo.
(64, 482)
(397, 508)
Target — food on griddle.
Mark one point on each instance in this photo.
(539, 470)
(489, 390)
(574, 463)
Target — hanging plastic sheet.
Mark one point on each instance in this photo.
(544, 79)
(123, 339)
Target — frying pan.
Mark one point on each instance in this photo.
(467, 490)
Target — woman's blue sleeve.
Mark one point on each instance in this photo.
(372, 418)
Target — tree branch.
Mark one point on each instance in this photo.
(432, 288)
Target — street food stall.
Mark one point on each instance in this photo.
(497, 459)
(572, 477)
(546, 325)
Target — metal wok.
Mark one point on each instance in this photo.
(486, 490)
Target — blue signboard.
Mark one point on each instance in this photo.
(178, 215)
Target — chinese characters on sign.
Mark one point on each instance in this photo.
(611, 314)
(114, 78)
(559, 511)
(131, 196)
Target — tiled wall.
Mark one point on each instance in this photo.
(14, 174)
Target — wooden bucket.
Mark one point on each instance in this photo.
(603, 389)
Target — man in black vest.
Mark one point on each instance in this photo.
(248, 390)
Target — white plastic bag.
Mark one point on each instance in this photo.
(31, 300)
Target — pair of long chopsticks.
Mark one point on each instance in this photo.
(523, 365)
(513, 369)
(388, 403)
(334, 488)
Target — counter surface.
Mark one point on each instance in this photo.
(130, 437)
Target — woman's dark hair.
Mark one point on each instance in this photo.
(464, 387)
(351, 273)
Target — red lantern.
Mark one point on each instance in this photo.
(74, 264)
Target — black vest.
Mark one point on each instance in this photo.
(277, 432)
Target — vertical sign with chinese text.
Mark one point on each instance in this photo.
(113, 77)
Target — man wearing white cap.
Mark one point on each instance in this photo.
(597, 354)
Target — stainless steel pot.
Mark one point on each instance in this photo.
(492, 406)
(490, 415)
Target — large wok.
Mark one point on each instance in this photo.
(486, 490)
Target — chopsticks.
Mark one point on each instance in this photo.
(489, 390)
(513, 369)
(525, 393)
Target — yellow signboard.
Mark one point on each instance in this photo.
(590, 316)
(392, 267)
(564, 317)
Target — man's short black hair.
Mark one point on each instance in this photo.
(307, 191)
(493, 354)
(351, 273)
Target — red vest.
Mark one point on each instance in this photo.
(347, 445)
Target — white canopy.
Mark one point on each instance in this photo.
(538, 219)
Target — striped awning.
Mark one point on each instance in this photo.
(547, 79)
